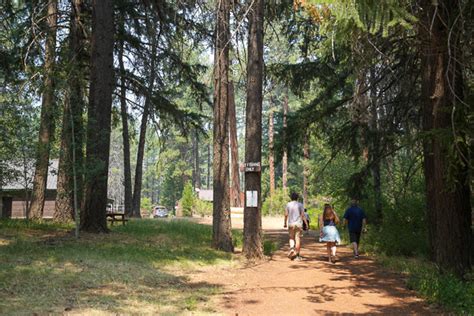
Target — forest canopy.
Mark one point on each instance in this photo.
(139, 101)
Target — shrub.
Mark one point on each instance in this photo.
(275, 204)
(402, 232)
(145, 205)
(313, 217)
(187, 200)
(269, 247)
(203, 208)
(444, 289)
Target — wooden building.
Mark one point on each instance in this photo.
(15, 195)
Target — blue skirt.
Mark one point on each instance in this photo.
(330, 234)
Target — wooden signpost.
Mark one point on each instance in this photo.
(250, 167)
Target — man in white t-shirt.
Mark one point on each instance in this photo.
(294, 217)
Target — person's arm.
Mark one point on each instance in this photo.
(346, 222)
(336, 218)
(321, 225)
(364, 221)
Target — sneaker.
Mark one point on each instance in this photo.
(292, 254)
(298, 258)
(356, 256)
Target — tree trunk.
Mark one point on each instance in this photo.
(448, 201)
(208, 181)
(305, 168)
(128, 202)
(234, 151)
(99, 117)
(271, 152)
(221, 224)
(285, 149)
(253, 131)
(72, 121)
(193, 158)
(374, 151)
(137, 188)
(46, 132)
(196, 162)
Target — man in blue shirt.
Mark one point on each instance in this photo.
(355, 219)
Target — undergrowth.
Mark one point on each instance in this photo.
(443, 289)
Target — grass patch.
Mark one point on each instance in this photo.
(44, 269)
(444, 289)
(269, 247)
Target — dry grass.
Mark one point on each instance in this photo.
(137, 269)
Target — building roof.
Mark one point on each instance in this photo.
(21, 182)
(206, 195)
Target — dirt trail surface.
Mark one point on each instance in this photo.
(312, 286)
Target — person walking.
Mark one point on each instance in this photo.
(328, 232)
(355, 219)
(306, 227)
(294, 219)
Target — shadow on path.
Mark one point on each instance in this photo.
(280, 286)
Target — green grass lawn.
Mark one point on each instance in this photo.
(44, 269)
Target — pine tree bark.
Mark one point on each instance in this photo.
(252, 248)
(127, 169)
(271, 152)
(234, 150)
(448, 201)
(72, 122)
(137, 188)
(193, 158)
(221, 223)
(208, 180)
(306, 168)
(285, 149)
(374, 151)
(46, 132)
(196, 161)
(93, 217)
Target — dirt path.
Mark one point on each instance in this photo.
(312, 286)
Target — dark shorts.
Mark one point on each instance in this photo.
(354, 237)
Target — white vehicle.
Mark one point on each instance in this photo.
(159, 212)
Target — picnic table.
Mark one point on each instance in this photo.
(113, 217)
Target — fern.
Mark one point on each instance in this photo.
(372, 16)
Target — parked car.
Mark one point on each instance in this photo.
(159, 212)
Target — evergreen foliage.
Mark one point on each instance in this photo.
(187, 199)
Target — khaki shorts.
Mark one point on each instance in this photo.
(294, 231)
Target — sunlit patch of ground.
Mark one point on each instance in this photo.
(140, 268)
(4, 242)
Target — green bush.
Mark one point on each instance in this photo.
(203, 208)
(145, 205)
(313, 217)
(275, 204)
(403, 231)
(187, 199)
(269, 247)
